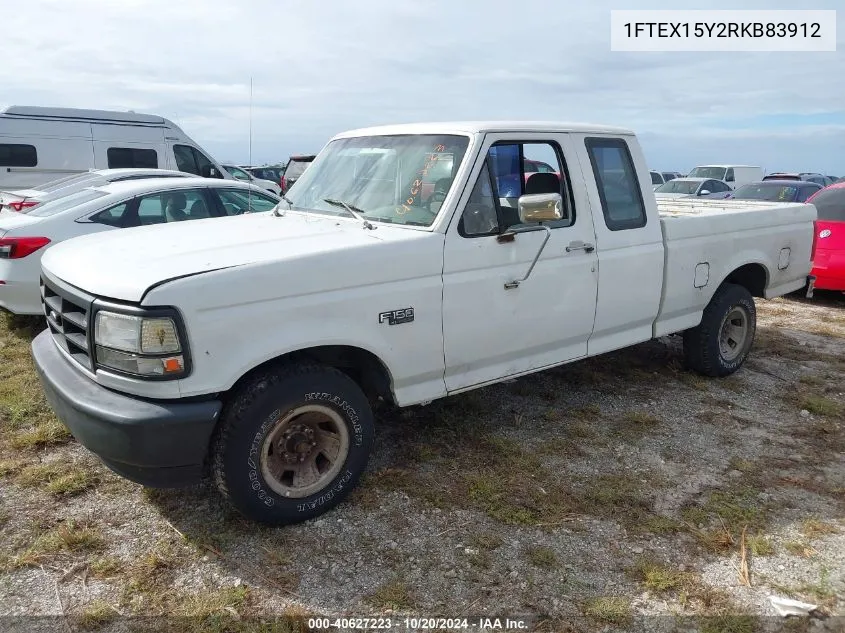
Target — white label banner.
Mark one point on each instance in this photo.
(723, 30)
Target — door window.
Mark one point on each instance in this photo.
(506, 169)
(172, 206)
(619, 189)
(191, 160)
(729, 175)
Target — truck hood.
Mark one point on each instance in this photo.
(123, 264)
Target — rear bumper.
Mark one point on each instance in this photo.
(829, 269)
(154, 443)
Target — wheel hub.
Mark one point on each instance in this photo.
(296, 444)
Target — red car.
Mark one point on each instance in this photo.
(829, 238)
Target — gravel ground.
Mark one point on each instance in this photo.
(617, 493)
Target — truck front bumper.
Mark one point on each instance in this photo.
(161, 444)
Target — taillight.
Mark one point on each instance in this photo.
(18, 247)
(21, 205)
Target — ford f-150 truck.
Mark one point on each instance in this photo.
(252, 348)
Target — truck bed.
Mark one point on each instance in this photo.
(704, 240)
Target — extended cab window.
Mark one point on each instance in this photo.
(130, 157)
(15, 155)
(512, 170)
(619, 188)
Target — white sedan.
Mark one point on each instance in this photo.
(24, 237)
(693, 188)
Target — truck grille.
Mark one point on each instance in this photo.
(67, 318)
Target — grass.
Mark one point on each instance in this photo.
(612, 610)
(726, 512)
(106, 567)
(68, 537)
(392, 595)
(799, 548)
(542, 557)
(820, 405)
(728, 623)
(814, 528)
(96, 615)
(760, 545)
(59, 478)
(660, 578)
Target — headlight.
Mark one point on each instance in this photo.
(147, 346)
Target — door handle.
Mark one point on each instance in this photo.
(580, 246)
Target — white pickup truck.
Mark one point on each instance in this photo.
(408, 263)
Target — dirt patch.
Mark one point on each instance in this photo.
(614, 492)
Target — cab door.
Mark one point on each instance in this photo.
(513, 301)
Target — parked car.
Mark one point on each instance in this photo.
(829, 238)
(819, 179)
(777, 191)
(103, 207)
(657, 179)
(38, 144)
(273, 173)
(294, 169)
(671, 175)
(24, 200)
(693, 188)
(734, 175)
(255, 346)
(243, 175)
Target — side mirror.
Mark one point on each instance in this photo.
(540, 207)
(704, 192)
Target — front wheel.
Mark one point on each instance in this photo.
(292, 443)
(719, 345)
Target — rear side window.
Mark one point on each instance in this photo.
(618, 185)
(830, 204)
(112, 217)
(131, 157)
(14, 155)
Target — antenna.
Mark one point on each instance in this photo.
(249, 190)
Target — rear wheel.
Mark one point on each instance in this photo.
(292, 443)
(719, 345)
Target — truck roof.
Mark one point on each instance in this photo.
(477, 127)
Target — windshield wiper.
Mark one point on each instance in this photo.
(355, 212)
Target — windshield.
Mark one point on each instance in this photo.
(830, 204)
(66, 202)
(772, 193)
(718, 173)
(384, 178)
(678, 186)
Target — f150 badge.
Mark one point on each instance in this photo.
(397, 317)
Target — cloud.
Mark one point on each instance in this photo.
(319, 68)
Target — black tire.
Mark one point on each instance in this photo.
(256, 414)
(702, 348)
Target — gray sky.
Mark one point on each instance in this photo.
(322, 67)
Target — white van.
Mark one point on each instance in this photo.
(39, 144)
(734, 175)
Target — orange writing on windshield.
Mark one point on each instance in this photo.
(416, 186)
